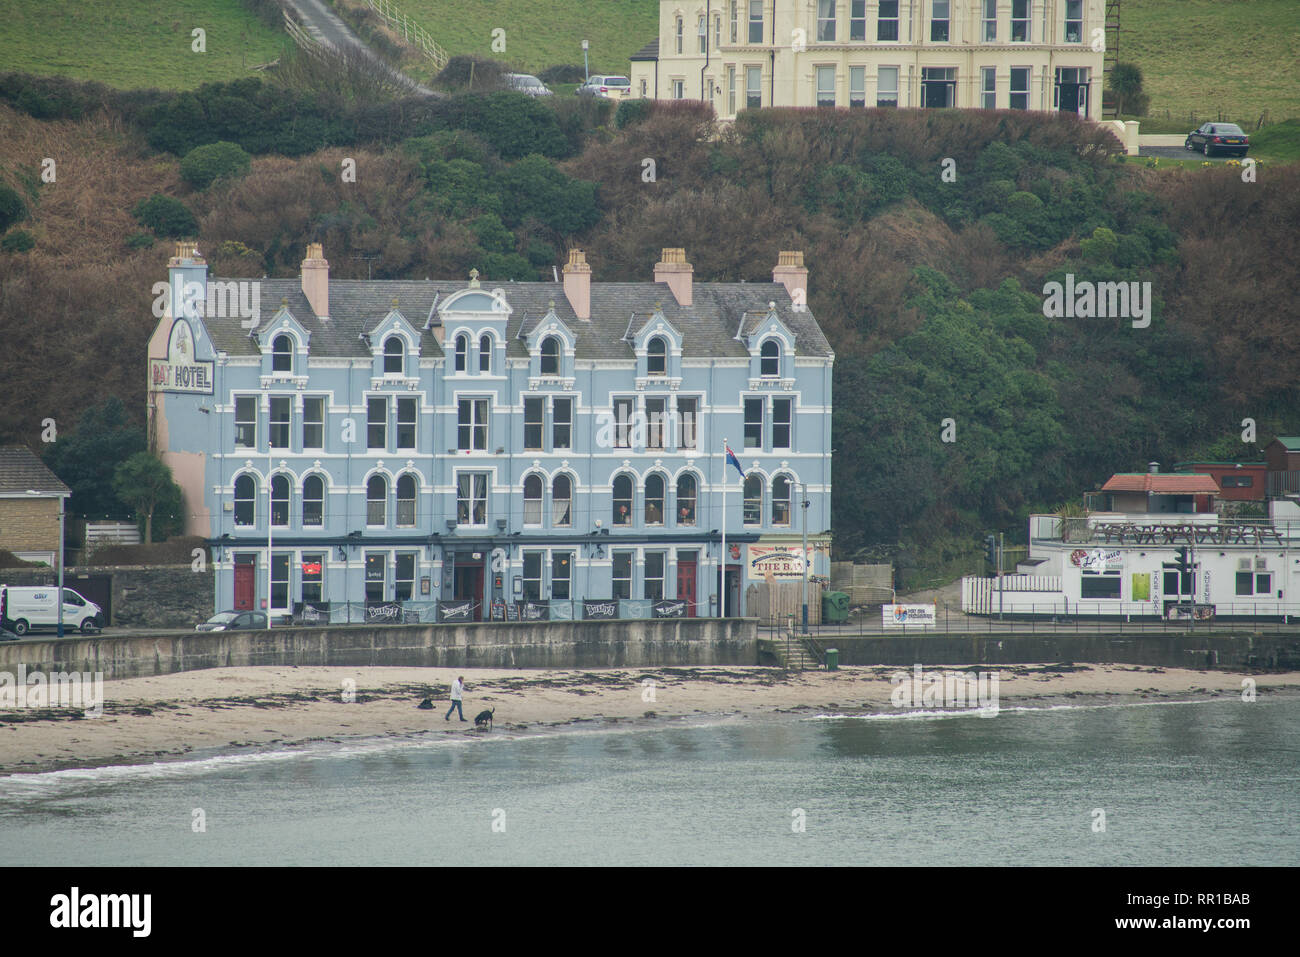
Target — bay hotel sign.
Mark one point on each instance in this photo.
(180, 371)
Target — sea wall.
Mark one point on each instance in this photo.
(567, 644)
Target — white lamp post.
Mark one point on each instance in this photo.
(586, 71)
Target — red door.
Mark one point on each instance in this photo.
(686, 585)
(243, 587)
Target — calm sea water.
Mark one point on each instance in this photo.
(1189, 783)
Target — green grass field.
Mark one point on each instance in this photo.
(542, 33)
(1203, 57)
(134, 43)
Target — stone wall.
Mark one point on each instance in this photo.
(567, 644)
(165, 596)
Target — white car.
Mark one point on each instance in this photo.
(29, 608)
(527, 83)
(609, 87)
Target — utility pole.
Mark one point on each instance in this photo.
(1001, 545)
(586, 71)
(803, 501)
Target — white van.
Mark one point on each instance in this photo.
(30, 608)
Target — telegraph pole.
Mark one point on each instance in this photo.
(803, 501)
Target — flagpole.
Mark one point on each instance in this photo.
(722, 565)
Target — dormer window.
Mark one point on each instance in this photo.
(282, 354)
(550, 356)
(393, 355)
(770, 358)
(485, 354)
(462, 351)
(657, 357)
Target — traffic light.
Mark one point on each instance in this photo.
(991, 549)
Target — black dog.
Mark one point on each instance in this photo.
(484, 719)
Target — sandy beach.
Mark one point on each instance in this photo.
(147, 719)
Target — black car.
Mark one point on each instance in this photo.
(233, 621)
(1211, 138)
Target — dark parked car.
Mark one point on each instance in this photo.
(1211, 138)
(234, 621)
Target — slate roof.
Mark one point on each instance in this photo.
(1290, 442)
(20, 470)
(708, 327)
(648, 52)
(1162, 483)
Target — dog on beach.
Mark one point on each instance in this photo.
(484, 719)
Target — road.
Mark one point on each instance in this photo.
(327, 28)
(1178, 152)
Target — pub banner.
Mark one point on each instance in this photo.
(311, 613)
(534, 611)
(383, 613)
(670, 609)
(597, 610)
(459, 610)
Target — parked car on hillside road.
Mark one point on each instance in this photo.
(1213, 138)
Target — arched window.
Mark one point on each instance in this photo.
(313, 500)
(550, 356)
(394, 353)
(781, 489)
(245, 500)
(753, 500)
(770, 358)
(533, 500)
(282, 354)
(686, 491)
(280, 500)
(485, 354)
(406, 501)
(462, 351)
(562, 501)
(376, 500)
(656, 357)
(654, 499)
(622, 500)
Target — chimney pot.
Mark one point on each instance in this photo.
(674, 270)
(1153, 467)
(577, 284)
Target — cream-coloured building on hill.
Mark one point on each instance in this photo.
(976, 54)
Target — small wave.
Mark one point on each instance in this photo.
(1003, 709)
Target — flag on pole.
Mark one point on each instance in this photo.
(732, 460)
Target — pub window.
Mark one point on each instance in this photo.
(471, 498)
(282, 354)
(781, 500)
(623, 575)
(533, 575)
(462, 351)
(376, 568)
(404, 576)
(622, 500)
(281, 407)
(407, 413)
(280, 500)
(623, 423)
(313, 423)
(753, 423)
(393, 355)
(246, 422)
(406, 501)
(656, 357)
(769, 362)
(376, 500)
(753, 500)
(654, 499)
(313, 577)
(245, 500)
(887, 20)
(687, 418)
(376, 423)
(471, 425)
(313, 500)
(653, 587)
(654, 410)
(686, 494)
(534, 424)
(533, 500)
(280, 580)
(782, 412)
(561, 574)
(561, 423)
(562, 501)
(485, 354)
(550, 356)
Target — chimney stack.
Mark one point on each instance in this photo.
(577, 284)
(793, 274)
(673, 269)
(316, 280)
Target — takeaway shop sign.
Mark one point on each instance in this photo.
(180, 371)
(1096, 560)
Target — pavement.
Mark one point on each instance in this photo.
(328, 29)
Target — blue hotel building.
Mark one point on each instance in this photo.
(472, 449)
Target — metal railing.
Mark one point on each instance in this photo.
(411, 31)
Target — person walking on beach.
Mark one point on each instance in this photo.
(457, 687)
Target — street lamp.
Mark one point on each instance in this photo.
(585, 70)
